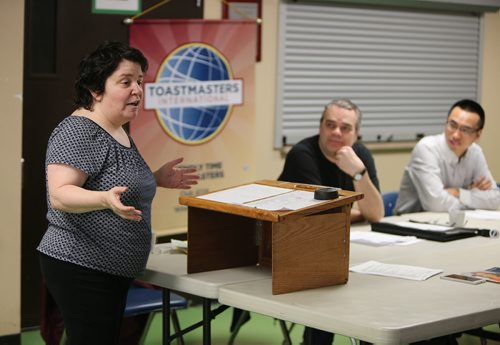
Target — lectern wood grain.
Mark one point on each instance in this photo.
(219, 240)
(310, 252)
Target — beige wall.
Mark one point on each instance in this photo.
(490, 98)
(11, 77)
(390, 164)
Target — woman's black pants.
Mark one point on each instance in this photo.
(91, 302)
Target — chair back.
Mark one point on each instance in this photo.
(142, 300)
(389, 202)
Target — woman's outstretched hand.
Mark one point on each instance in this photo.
(114, 203)
(171, 176)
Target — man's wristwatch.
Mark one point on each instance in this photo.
(359, 175)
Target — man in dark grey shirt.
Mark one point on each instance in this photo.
(335, 158)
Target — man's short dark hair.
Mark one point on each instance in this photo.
(96, 67)
(472, 107)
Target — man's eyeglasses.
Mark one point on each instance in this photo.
(453, 126)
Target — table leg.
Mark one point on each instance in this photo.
(207, 318)
(166, 316)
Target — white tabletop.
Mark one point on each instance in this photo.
(386, 310)
(169, 270)
(361, 253)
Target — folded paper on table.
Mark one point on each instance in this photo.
(397, 271)
(380, 239)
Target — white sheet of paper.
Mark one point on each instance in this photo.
(264, 197)
(380, 239)
(397, 271)
(483, 214)
(294, 200)
(179, 244)
(244, 194)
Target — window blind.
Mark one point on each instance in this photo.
(403, 68)
(447, 5)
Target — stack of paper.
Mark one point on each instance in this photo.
(379, 239)
(398, 271)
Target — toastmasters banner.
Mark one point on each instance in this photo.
(198, 104)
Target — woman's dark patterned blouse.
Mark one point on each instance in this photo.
(100, 240)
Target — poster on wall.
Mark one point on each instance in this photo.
(198, 104)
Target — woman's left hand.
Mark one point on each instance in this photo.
(170, 176)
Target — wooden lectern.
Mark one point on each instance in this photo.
(306, 248)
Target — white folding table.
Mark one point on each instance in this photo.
(168, 270)
(385, 310)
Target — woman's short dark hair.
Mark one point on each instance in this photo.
(96, 67)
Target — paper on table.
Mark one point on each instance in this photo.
(483, 214)
(380, 239)
(398, 271)
(244, 194)
(264, 197)
(180, 245)
(161, 248)
(294, 200)
(172, 247)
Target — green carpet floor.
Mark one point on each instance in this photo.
(260, 330)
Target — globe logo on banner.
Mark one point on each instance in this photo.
(194, 93)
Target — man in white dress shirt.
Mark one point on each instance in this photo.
(449, 171)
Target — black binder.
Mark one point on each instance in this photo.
(440, 236)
